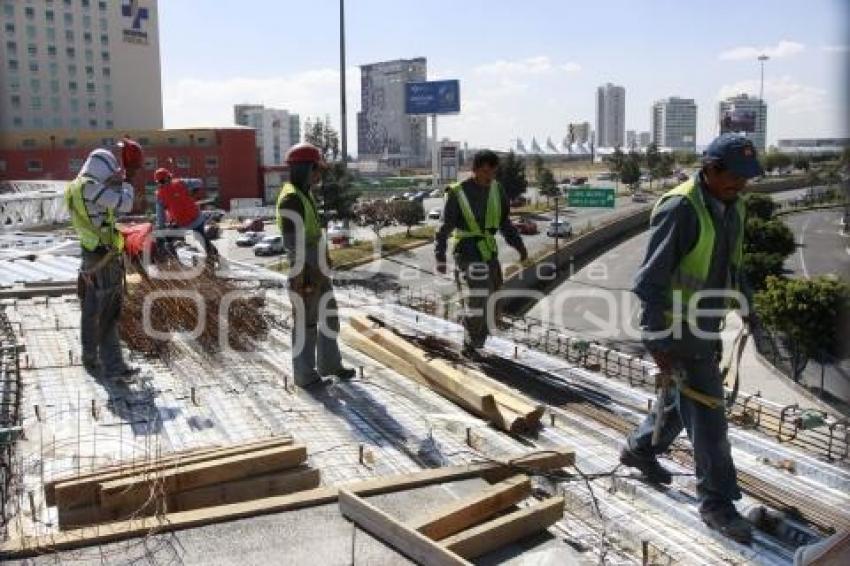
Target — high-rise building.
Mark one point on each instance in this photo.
(384, 131)
(644, 139)
(631, 139)
(674, 123)
(610, 116)
(277, 130)
(578, 132)
(746, 115)
(79, 65)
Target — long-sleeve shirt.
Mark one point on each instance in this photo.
(674, 231)
(309, 253)
(467, 248)
(104, 189)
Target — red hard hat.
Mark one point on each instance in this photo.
(162, 174)
(304, 153)
(132, 155)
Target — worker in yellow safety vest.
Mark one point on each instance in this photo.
(100, 191)
(690, 277)
(315, 351)
(474, 211)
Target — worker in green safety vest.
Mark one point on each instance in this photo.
(690, 277)
(100, 191)
(474, 211)
(315, 351)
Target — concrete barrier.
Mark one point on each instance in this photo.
(556, 267)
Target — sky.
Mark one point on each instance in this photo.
(526, 69)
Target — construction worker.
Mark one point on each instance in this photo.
(100, 191)
(474, 211)
(695, 246)
(175, 206)
(315, 352)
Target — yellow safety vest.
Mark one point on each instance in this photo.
(492, 219)
(312, 228)
(90, 235)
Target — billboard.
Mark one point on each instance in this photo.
(735, 120)
(432, 97)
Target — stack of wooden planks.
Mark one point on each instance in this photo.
(464, 529)
(183, 481)
(504, 407)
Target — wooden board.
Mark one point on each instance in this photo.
(379, 354)
(266, 485)
(391, 532)
(124, 496)
(464, 513)
(84, 489)
(111, 532)
(497, 533)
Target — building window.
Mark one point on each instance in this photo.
(150, 162)
(35, 85)
(72, 86)
(11, 48)
(10, 28)
(92, 105)
(29, 12)
(14, 84)
(54, 68)
(51, 34)
(107, 89)
(70, 52)
(107, 142)
(75, 164)
(55, 104)
(87, 38)
(90, 87)
(28, 143)
(212, 183)
(87, 22)
(172, 141)
(67, 2)
(101, 6)
(57, 121)
(75, 123)
(36, 103)
(30, 32)
(16, 102)
(103, 23)
(49, 15)
(51, 51)
(32, 49)
(69, 36)
(109, 107)
(89, 71)
(72, 70)
(89, 56)
(38, 122)
(110, 125)
(107, 72)
(85, 3)
(69, 19)
(13, 65)
(9, 10)
(70, 142)
(16, 121)
(211, 162)
(54, 86)
(75, 106)
(33, 66)
(105, 56)
(93, 124)
(144, 142)
(34, 165)
(182, 162)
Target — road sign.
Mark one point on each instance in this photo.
(591, 197)
(432, 97)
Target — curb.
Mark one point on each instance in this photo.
(375, 257)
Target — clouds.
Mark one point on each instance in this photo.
(540, 65)
(783, 94)
(784, 48)
(835, 48)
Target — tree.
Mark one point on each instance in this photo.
(537, 163)
(771, 236)
(548, 187)
(802, 163)
(758, 266)
(378, 215)
(684, 157)
(337, 193)
(630, 172)
(653, 159)
(321, 134)
(511, 175)
(773, 160)
(407, 212)
(808, 313)
(615, 162)
(760, 206)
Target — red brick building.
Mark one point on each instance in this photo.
(225, 159)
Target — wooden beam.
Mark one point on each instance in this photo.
(123, 496)
(542, 461)
(464, 513)
(385, 528)
(111, 532)
(497, 533)
(84, 489)
(380, 354)
(267, 485)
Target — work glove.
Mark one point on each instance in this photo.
(523, 255)
(441, 265)
(664, 361)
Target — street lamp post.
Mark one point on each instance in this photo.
(342, 105)
(762, 58)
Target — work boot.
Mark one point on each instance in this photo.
(344, 374)
(648, 466)
(726, 520)
(311, 381)
(92, 366)
(125, 375)
(471, 353)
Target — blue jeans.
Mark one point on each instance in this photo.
(315, 328)
(101, 290)
(707, 429)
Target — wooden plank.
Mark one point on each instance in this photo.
(84, 490)
(380, 354)
(540, 461)
(266, 485)
(405, 540)
(497, 533)
(111, 532)
(464, 513)
(511, 398)
(126, 495)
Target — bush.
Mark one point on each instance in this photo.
(759, 266)
(760, 206)
(408, 213)
(771, 237)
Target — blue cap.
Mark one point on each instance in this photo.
(736, 154)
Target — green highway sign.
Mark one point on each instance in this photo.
(591, 197)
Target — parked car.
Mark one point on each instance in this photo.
(526, 226)
(338, 233)
(579, 180)
(251, 225)
(436, 193)
(604, 177)
(396, 198)
(248, 239)
(519, 201)
(640, 197)
(270, 245)
(435, 214)
(561, 229)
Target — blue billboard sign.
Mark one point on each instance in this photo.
(432, 97)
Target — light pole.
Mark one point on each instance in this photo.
(342, 106)
(762, 108)
(762, 59)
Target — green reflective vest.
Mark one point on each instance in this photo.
(692, 271)
(312, 228)
(492, 219)
(90, 235)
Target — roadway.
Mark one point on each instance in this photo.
(821, 248)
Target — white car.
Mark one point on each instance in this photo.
(435, 213)
(436, 193)
(337, 233)
(560, 229)
(640, 197)
(248, 239)
(270, 245)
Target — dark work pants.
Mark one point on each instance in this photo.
(482, 280)
(101, 289)
(707, 430)
(314, 333)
